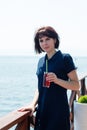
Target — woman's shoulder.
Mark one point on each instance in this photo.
(65, 56)
(41, 61)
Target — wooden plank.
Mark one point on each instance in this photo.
(12, 118)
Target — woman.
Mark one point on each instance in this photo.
(53, 109)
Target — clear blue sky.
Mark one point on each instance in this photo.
(20, 18)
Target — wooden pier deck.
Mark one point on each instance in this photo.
(23, 119)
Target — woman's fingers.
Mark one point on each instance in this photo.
(51, 77)
(24, 109)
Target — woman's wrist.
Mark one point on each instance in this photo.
(33, 104)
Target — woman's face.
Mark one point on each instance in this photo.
(47, 44)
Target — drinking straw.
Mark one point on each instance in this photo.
(46, 65)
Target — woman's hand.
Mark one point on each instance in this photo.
(51, 77)
(30, 108)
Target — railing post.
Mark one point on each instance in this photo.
(83, 86)
(24, 125)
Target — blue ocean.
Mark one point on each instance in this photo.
(18, 80)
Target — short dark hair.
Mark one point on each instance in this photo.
(45, 31)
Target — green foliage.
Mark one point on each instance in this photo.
(83, 99)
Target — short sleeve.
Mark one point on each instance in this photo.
(68, 63)
(40, 63)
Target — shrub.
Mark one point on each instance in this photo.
(83, 99)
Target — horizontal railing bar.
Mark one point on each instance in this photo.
(12, 119)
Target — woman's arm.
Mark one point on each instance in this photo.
(72, 84)
(35, 99)
(32, 105)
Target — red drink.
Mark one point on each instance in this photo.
(45, 82)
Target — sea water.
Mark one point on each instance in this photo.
(18, 80)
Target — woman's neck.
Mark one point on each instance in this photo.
(50, 54)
